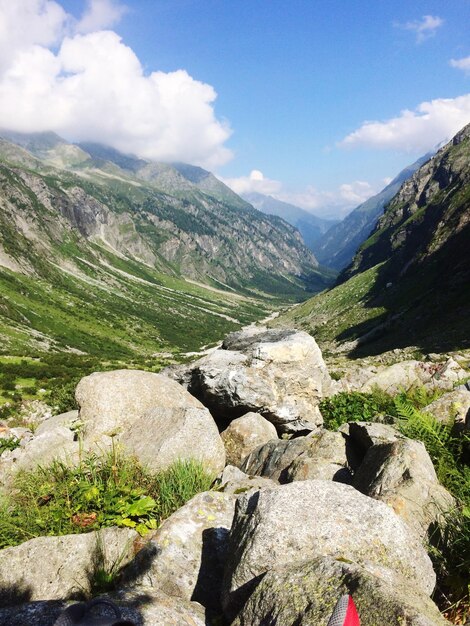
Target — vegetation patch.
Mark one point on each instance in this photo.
(99, 492)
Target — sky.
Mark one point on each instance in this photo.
(317, 103)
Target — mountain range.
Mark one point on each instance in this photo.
(87, 232)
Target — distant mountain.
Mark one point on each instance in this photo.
(95, 237)
(310, 226)
(409, 283)
(338, 245)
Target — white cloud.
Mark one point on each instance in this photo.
(92, 87)
(416, 131)
(254, 182)
(100, 14)
(323, 203)
(461, 64)
(424, 28)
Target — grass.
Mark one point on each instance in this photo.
(449, 542)
(99, 492)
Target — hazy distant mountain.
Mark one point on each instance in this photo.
(338, 245)
(310, 226)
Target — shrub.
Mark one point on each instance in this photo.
(100, 492)
(355, 406)
(8, 443)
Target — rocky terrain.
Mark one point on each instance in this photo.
(298, 515)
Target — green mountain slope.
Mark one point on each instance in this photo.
(95, 257)
(409, 284)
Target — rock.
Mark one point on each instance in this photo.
(147, 607)
(186, 556)
(111, 401)
(152, 417)
(452, 407)
(34, 412)
(52, 568)
(367, 434)
(273, 459)
(279, 374)
(402, 475)
(233, 480)
(58, 444)
(245, 434)
(305, 594)
(324, 458)
(68, 420)
(407, 374)
(310, 519)
(162, 436)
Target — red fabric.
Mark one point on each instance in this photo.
(352, 618)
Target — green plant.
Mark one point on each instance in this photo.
(354, 406)
(99, 492)
(450, 540)
(8, 443)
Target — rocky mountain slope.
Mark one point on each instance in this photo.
(89, 236)
(311, 227)
(408, 285)
(339, 244)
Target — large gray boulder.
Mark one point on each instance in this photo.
(245, 434)
(53, 568)
(186, 556)
(305, 594)
(280, 374)
(233, 480)
(164, 435)
(324, 457)
(311, 519)
(402, 475)
(111, 401)
(152, 417)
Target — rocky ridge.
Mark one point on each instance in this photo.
(306, 519)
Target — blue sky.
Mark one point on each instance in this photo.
(293, 78)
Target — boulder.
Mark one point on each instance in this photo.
(279, 374)
(151, 416)
(245, 434)
(53, 568)
(402, 475)
(305, 594)
(452, 408)
(273, 459)
(311, 519)
(186, 556)
(68, 420)
(165, 435)
(324, 457)
(58, 443)
(111, 401)
(233, 480)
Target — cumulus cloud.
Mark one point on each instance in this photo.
(461, 64)
(424, 28)
(254, 182)
(416, 131)
(100, 14)
(328, 203)
(92, 87)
